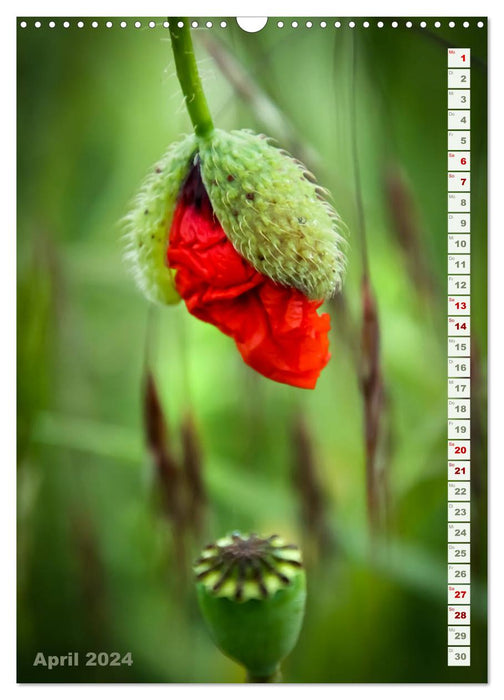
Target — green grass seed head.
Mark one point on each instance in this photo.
(273, 212)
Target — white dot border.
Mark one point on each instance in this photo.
(275, 23)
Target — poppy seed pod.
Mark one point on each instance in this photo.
(252, 592)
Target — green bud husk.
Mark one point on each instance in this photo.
(252, 593)
(273, 212)
(147, 225)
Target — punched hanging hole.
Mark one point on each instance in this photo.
(251, 24)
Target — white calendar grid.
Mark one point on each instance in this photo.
(459, 357)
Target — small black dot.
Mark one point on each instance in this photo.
(250, 196)
(230, 178)
(159, 170)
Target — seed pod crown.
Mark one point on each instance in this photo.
(247, 567)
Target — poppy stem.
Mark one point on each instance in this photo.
(275, 677)
(189, 79)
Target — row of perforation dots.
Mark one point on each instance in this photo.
(121, 23)
(380, 24)
(280, 24)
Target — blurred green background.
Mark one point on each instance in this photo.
(103, 565)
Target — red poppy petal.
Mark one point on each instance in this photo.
(277, 329)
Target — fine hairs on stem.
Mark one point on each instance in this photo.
(189, 79)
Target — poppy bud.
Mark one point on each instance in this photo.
(239, 230)
(148, 223)
(252, 592)
(273, 212)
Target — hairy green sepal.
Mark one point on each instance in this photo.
(147, 225)
(273, 212)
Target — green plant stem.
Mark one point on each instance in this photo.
(275, 677)
(187, 73)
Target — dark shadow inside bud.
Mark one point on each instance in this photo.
(193, 192)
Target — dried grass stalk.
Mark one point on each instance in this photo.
(408, 230)
(192, 464)
(167, 471)
(311, 492)
(371, 383)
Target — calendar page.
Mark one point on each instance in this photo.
(252, 349)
